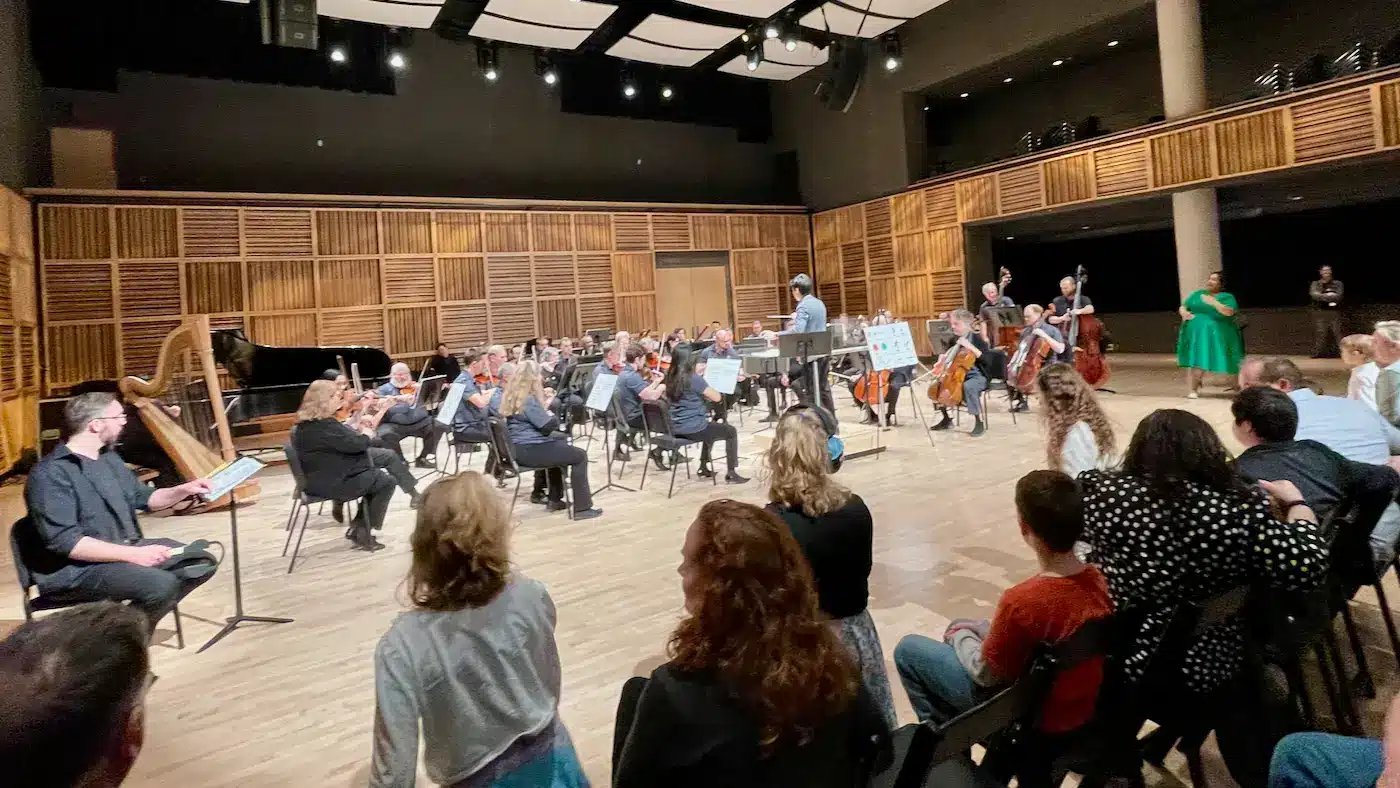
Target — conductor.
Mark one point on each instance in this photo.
(810, 316)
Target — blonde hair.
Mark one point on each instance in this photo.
(461, 545)
(1358, 343)
(1389, 331)
(1035, 309)
(800, 466)
(1068, 400)
(317, 402)
(525, 382)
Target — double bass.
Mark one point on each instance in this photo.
(1086, 337)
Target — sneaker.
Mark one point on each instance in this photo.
(587, 514)
(705, 472)
(945, 424)
(555, 506)
(978, 429)
(424, 462)
(733, 477)
(539, 498)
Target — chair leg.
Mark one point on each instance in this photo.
(568, 497)
(179, 628)
(1389, 621)
(646, 466)
(305, 516)
(1365, 685)
(674, 467)
(517, 490)
(1299, 689)
(1343, 682)
(295, 501)
(291, 525)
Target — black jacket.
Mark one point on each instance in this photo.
(334, 459)
(1324, 477)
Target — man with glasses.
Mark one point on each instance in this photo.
(83, 502)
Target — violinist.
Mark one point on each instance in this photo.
(443, 363)
(1037, 327)
(587, 345)
(975, 383)
(687, 392)
(610, 365)
(517, 354)
(1065, 312)
(405, 419)
(363, 414)
(495, 357)
(636, 385)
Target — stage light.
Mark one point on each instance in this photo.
(1113, 43)
(754, 56)
(667, 92)
(488, 60)
(790, 43)
(629, 86)
(545, 70)
(772, 31)
(1057, 63)
(397, 61)
(964, 95)
(338, 55)
(1008, 80)
(1295, 198)
(894, 51)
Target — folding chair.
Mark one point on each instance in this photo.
(510, 466)
(661, 436)
(302, 501)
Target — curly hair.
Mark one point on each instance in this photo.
(461, 550)
(1068, 400)
(319, 401)
(800, 466)
(526, 382)
(757, 625)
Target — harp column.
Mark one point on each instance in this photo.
(1195, 213)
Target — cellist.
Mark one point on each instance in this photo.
(1065, 312)
(975, 383)
(1037, 327)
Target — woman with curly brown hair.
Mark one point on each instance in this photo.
(475, 659)
(759, 690)
(1081, 438)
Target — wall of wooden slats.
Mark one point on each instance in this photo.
(118, 276)
(906, 252)
(19, 330)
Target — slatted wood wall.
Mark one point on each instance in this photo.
(19, 345)
(905, 252)
(117, 276)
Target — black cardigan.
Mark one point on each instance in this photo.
(334, 458)
(838, 546)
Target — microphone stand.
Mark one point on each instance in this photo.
(231, 623)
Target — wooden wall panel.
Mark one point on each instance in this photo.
(850, 224)
(80, 352)
(557, 317)
(149, 288)
(554, 276)
(408, 232)
(907, 212)
(879, 255)
(911, 254)
(210, 287)
(1070, 179)
(19, 362)
(1181, 157)
(597, 312)
(634, 273)
(743, 232)
(1339, 125)
(411, 330)
(552, 232)
(141, 345)
(505, 232)
(146, 233)
(1251, 142)
(797, 232)
(463, 325)
(670, 232)
(830, 294)
(70, 232)
(350, 327)
(1021, 189)
(828, 265)
(636, 312)
(755, 267)
(876, 215)
(512, 321)
(210, 232)
(912, 297)
(799, 261)
(79, 291)
(508, 276)
(280, 285)
(824, 230)
(283, 232)
(631, 232)
(945, 249)
(1121, 169)
(948, 290)
(709, 232)
(297, 330)
(852, 260)
(462, 278)
(883, 295)
(1388, 97)
(595, 273)
(856, 295)
(593, 232)
(770, 232)
(755, 303)
(409, 280)
(977, 198)
(940, 206)
(349, 282)
(457, 231)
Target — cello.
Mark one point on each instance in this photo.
(1025, 366)
(1086, 337)
(949, 372)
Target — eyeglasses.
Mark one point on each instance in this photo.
(122, 417)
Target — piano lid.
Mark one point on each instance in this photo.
(256, 366)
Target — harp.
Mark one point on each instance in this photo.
(183, 406)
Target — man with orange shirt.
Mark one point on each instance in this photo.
(949, 677)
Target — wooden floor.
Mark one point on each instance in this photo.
(293, 704)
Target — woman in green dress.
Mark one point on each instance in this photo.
(1210, 339)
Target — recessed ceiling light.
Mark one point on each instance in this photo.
(1058, 62)
(1295, 198)
(338, 55)
(397, 61)
(964, 95)
(1010, 237)
(925, 108)
(1084, 227)
(1008, 80)
(1113, 43)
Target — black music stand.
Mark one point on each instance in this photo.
(231, 623)
(807, 348)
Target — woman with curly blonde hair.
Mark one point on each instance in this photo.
(537, 442)
(835, 531)
(474, 661)
(759, 690)
(1081, 438)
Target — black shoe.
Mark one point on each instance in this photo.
(621, 456)
(769, 419)
(415, 500)
(870, 418)
(538, 497)
(1021, 406)
(555, 506)
(424, 462)
(978, 429)
(660, 463)
(363, 539)
(587, 514)
(705, 471)
(945, 424)
(338, 511)
(889, 420)
(733, 477)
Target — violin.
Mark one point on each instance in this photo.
(949, 372)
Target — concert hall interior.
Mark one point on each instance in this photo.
(913, 391)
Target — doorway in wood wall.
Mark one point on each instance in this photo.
(692, 289)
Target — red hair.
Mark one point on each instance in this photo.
(758, 626)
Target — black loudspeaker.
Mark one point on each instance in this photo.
(291, 23)
(848, 61)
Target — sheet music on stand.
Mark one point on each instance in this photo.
(600, 397)
(228, 476)
(722, 374)
(891, 346)
(451, 403)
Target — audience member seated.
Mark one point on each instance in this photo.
(405, 419)
(1178, 523)
(634, 388)
(834, 528)
(1326, 760)
(1385, 349)
(1356, 354)
(83, 502)
(474, 662)
(759, 690)
(1081, 437)
(946, 678)
(73, 710)
(1266, 421)
(339, 463)
(1345, 426)
(536, 441)
(687, 392)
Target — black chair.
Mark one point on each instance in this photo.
(508, 466)
(27, 549)
(456, 448)
(995, 382)
(662, 437)
(634, 438)
(302, 501)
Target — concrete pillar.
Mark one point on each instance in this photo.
(1195, 214)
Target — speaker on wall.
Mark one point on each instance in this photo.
(839, 89)
(289, 23)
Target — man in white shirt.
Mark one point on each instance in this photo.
(1343, 425)
(1385, 349)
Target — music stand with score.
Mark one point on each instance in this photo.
(808, 348)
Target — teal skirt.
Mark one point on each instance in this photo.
(546, 760)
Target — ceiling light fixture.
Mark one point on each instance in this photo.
(1058, 62)
(397, 61)
(629, 86)
(1010, 237)
(754, 56)
(667, 92)
(1295, 198)
(545, 70)
(790, 43)
(964, 95)
(772, 31)
(338, 55)
(1113, 43)
(894, 51)
(1008, 80)
(488, 61)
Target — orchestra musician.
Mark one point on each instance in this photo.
(443, 363)
(587, 345)
(469, 422)
(635, 386)
(517, 354)
(536, 441)
(687, 392)
(976, 381)
(363, 414)
(708, 332)
(566, 348)
(1065, 311)
(610, 365)
(621, 341)
(495, 358)
(1036, 326)
(404, 419)
(756, 331)
(724, 348)
(810, 316)
(899, 378)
